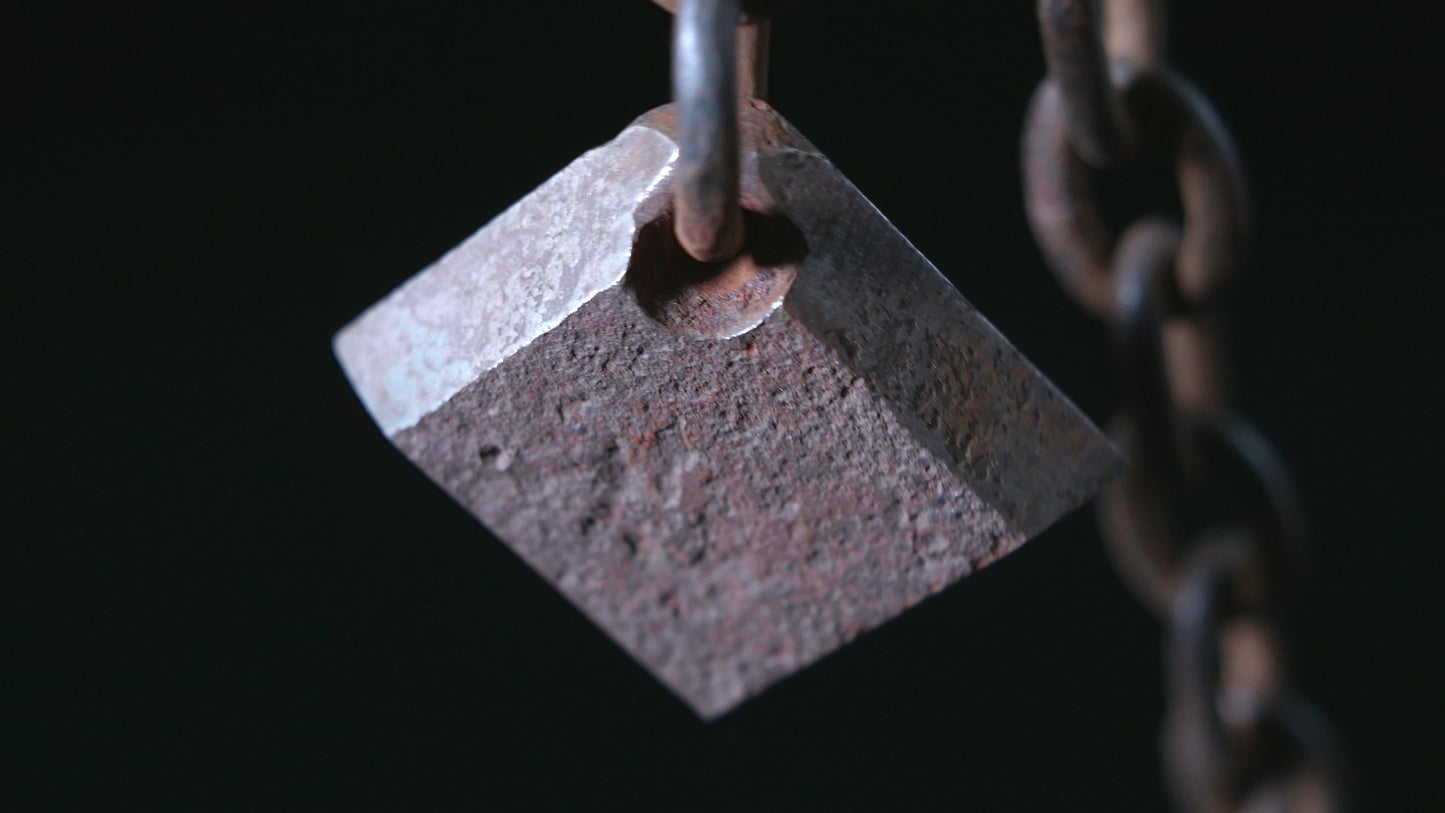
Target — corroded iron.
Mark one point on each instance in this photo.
(733, 468)
(1203, 525)
(1074, 50)
(1064, 213)
(708, 221)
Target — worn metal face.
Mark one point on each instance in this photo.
(727, 509)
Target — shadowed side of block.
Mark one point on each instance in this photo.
(955, 380)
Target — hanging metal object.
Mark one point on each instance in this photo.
(732, 465)
(1204, 525)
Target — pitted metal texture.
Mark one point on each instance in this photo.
(727, 509)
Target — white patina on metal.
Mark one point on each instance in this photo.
(510, 282)
(728, 509)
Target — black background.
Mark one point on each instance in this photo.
(234, 593)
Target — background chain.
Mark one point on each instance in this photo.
(1204, 524)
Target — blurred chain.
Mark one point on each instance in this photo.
(1204, 524)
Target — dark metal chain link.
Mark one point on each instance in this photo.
(1204, 525)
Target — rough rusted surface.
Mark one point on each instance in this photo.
(958, 384)
(728, 510)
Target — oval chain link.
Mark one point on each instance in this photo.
(1204, 525)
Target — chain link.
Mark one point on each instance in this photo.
(719, 54)
(1204, 524)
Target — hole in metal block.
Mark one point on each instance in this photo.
(715, 300)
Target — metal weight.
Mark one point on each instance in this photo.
(735, 468)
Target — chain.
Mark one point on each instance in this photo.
(1204, 525)
(719, 54)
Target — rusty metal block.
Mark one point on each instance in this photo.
(727, 509)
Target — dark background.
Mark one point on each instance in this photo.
(234, 593)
